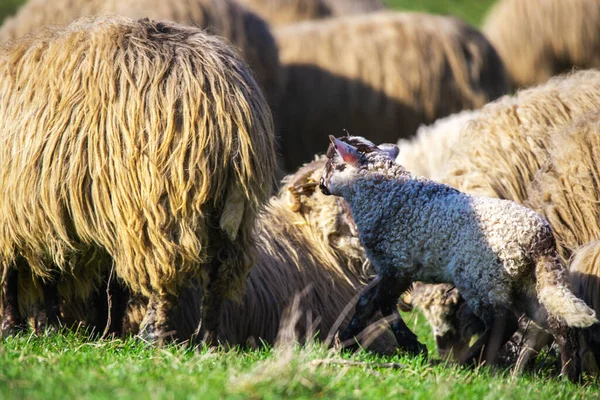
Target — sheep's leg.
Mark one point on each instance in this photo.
(155, 326)
(118, 295)
(534, 340)
(211, 318)
(388, 293)
(12, 321)
(499, 330)
(51, 305)
(567, 339)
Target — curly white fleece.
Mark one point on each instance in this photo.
(419, 229)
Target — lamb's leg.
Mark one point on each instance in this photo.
(389, 291)
(12, 321)
(499, 330)
(366, 307)
(567, 339)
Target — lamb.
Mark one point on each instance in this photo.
(159, 159)
(369, 73)
(500, 255)
(499, 150)
(540, 39)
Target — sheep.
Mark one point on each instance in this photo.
(500, 255)
(384, 72)
(498, 154)
(307, 246)
(499, 151)
(428, 152)
(226, 18)
(452, 322)
(565, 191)
(283, 12)
(148, 141)
(540, 39)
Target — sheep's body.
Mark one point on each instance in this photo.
(429, 151)
(283, 12)
(306, 246)
(563, 191)
(540, 39)
(125, 162)
(226, 18)
(499, 254)
(369, 74)
(500, 150)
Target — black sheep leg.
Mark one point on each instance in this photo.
(12, 320)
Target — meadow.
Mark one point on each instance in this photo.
(70, 365)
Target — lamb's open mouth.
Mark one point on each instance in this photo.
(324, 188)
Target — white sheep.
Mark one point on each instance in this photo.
(500, 255)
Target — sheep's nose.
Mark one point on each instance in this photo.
(323, 187)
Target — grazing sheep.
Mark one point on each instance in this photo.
(452, 322)
(427, 153)
(501, 149)
(565, 190)
(540, 39)
(306, 245)
(244, 29)
(501, 256)
(284, 12)
(160, 158)
(382, 73)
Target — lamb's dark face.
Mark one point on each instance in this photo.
(348, 155)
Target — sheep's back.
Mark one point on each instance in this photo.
(111, 139)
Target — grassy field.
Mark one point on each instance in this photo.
(72, 366)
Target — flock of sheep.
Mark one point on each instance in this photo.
(141, 142)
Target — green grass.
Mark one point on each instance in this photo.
(72, 366)
(472, 11)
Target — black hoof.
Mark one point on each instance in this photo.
(12, 329)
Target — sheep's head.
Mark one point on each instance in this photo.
(348, 156)
(452, 321)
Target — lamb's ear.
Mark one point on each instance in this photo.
(391, 149)
(349, 154)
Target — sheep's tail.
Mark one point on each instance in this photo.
(555, 294)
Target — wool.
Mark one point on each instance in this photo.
(429, 151)
(160, 157)
(227, 18)
(380, 74)
(501, 150)
(306, 246)
(540, 39)
(284, 12)
(416, 229)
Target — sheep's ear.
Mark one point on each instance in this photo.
(391, 149)
(349, 154)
